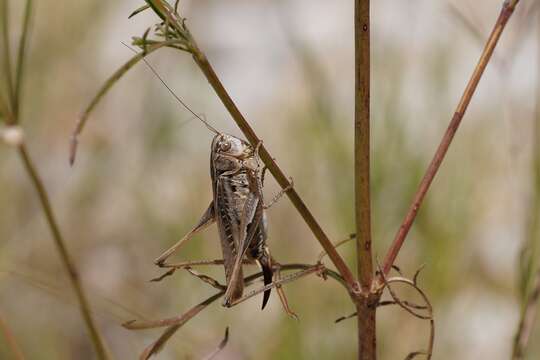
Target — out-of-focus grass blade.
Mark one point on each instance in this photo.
(6, 61)
(160, 8)
(19, 70)
(113, 79)
(139, 10)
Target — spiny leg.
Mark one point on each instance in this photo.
(281, 293)
(189, 264)
(206, 220)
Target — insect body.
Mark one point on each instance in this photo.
(238, 209)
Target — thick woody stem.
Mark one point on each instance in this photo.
(365, 301)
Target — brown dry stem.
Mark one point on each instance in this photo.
(367, 299)
(505, 14)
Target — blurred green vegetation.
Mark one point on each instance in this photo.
(141, 179)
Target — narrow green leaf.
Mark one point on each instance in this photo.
(113, 79)
(139, 10)
(19, 70)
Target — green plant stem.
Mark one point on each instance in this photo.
(19, 70)
(505, 14)
(4, 21)
(67, 261)
(366, 301)
(113, 79)
(10, 112)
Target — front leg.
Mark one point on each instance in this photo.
(206, 220)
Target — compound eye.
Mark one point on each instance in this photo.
(225, 146)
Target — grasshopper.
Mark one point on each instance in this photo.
(239, 211)
(237, 208)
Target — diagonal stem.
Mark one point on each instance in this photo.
(113, 79)
(281, 178)
(505, 14)
(167, 14)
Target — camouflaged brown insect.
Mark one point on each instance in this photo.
(239, 211)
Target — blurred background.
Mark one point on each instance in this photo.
(142, 175)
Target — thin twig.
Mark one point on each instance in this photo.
(505, 14)
(323, 253)
(173, 321)
(384, 303)
(402, 303)
(406, 306)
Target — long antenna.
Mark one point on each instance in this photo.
(210, 127)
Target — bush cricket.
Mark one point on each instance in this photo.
(237, 208)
